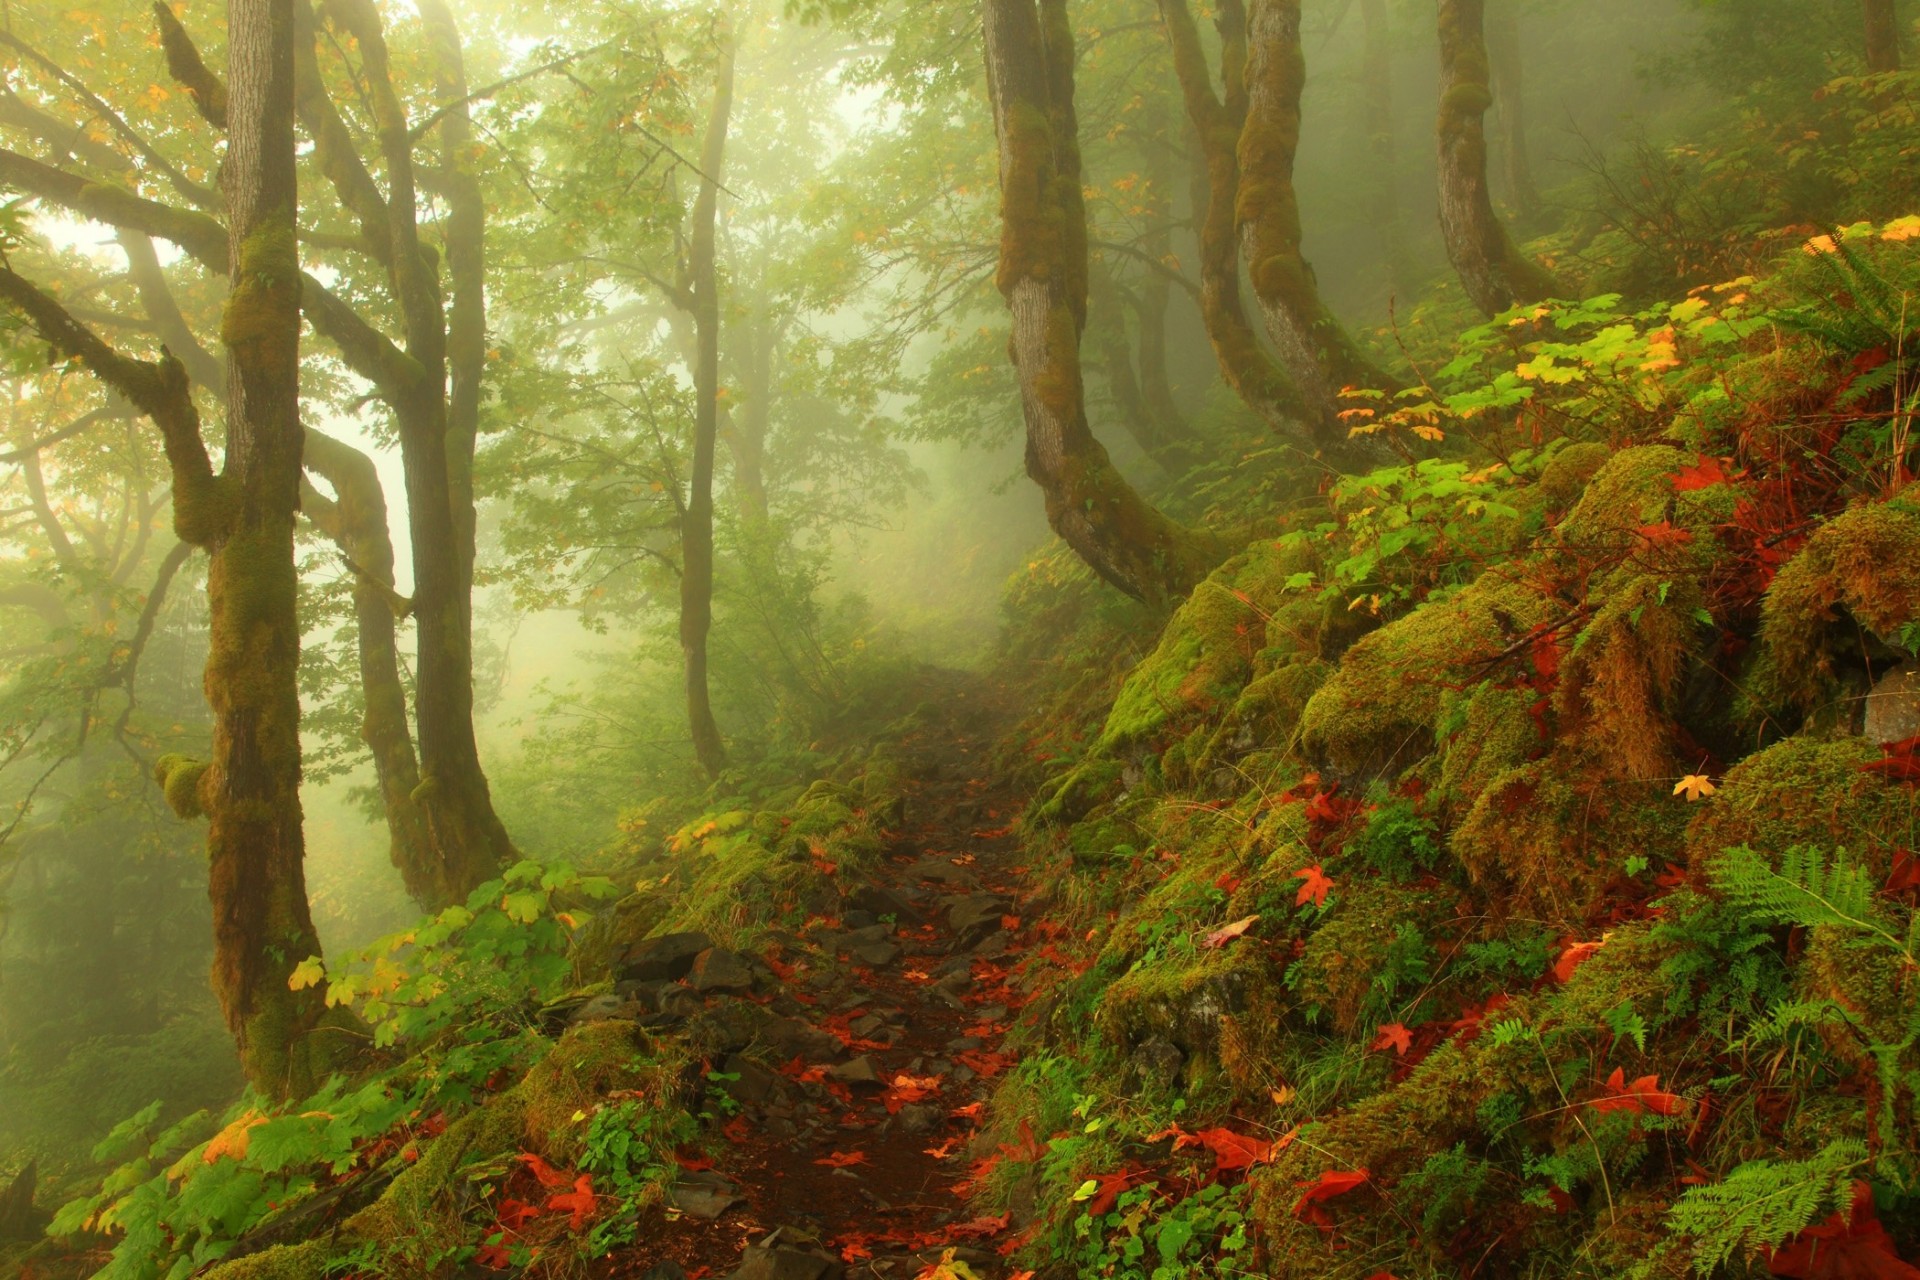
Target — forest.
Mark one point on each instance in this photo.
(962, 640)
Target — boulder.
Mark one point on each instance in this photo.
(718, 971)
(1893, 707)
(668, 957)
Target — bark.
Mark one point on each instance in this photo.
(1315, 349)
(1217, 119)
(1043, 276)
(696, 528)
(1510, 103)
(18, 1218)
(1883, 35)
(1383, 197)
(467, 835)
(356, 520)
(1495, 273)
(1154, 294)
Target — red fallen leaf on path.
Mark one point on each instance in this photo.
(1642, 1096)
(1573, 957)
(944, 1150)
(515, 1214)
(1395, 1036)
(692, 1164)
(1331, 1183)
(494, 1257)
(1847, 1246)
(906, 1089)
(736, 1129)
(972, 1111)
(980, 1228)
(546, 1173)
(579, 1202)
(1704, 474)
(1227, 933)
(1315, 886)
(843, 1159)
(1107, 1190)
(982, 1062)
(1235, 1150)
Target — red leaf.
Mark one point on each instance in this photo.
(1702, 475)
(515, 1214)
(1233, 1150)
(1847, 1246)
(1331, 1183)
(1573, 957)
(1663, 535)
(1900, 762)
(1393, 1036)
(1905, 872)
(1642, 1096)
(494, 1257)
(980, 1228)
(692, 1164)
(843, 1159)
(1315, 887)
(1228, 882)
(1108, 1191)
(548, 1175)
(579, 1201)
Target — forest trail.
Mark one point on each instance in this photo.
(887, 1020)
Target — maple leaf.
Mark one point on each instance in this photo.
(1573, 957)
(579, 1202)
(1227, 933)
(233, 1140)
(692, 1164)
(982, 1062)
(1694, 786)
(1234, 1150)
(1395, 1036)
(1315, 887)
(842, 1159)
(1228, 882)
(1704, 474)
(1664, 535)
(1331, 1183)
(1642, 1096)
(494, 1256)
(546, 1173)
(1847, 1246)
(1102, 1192)
(515, 1214)
(1904, 874)
(944, 1150)
(980, 1228)
(1900, 762)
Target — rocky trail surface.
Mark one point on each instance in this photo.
(855, 1057)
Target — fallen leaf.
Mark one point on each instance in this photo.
(1694, 786)
(843, 1159)
(1395, 1036)
(1234, 1150)
(1704, 474)
(1227, 933)
(1315, 887)
(579, 1202)
(1847, 1246)
(546, 1173)
(1638, 1098)
(1331, 1183)
(1573, 957)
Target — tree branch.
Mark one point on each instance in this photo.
(185, 65)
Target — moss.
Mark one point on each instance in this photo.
(1564, 479)
(1862, 569)
(1345, 961)
(180, 778)
(1187, 997)
(1485, 733)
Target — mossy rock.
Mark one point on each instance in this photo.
(1185, 998)
(1565, 477)
(1347, 952)
(1805, 790)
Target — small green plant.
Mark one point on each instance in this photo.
(1147, 1236)
(629, 1151)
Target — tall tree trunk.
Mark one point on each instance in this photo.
(1319, 356)
(1883, 34)
(356, 520)
(1508, 69)
(1217, 119)
(1043, 276)
(1495, 273)
(745, 429)
(251, 790)
(1383, 194)
(696, 528)
(1155, 291)
(467, 835)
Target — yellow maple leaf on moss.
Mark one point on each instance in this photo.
(1694, 786)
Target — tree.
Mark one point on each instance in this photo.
(1882, 23)
(1493, 270)
(1316, 350)
(1377, 115)
(696, 530)
(1508, 71)
(244, 517)
(1043, 277)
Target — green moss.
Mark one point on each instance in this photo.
(1564, 479)
(1485, 732)
(179, 778)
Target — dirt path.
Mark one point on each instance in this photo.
(886, 1021)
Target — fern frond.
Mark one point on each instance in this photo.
(1787, 1016)
(1764, 1203)
(1809, 889)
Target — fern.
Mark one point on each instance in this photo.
(1764, 1203)
(1809, 889)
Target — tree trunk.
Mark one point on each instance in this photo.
(1217, 119)
(1155, 292)
(1043, 276)
(1883, 35)
(745, 429)
(356, 520)
(1495, 273)
(1383, 197)
(251, 790)
(696, 529)
(1510, 102)
(1319, 356)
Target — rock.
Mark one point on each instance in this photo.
(974, 916)
(995, 946)
(872, 933)
(881, 902)
(1893, 706)
(1157, 1061)
(858, 919)
(877, 955)
(792, 1038)
(728, 1027)
(718, 971)
(776, 1257)
(861, 1070)
(703, 1198)
(754, 1083)
(606, 1008)
(678, 1003)
(667, 1270)
(644, 992)
(940, 871)
(871, 1027)
(919, 1118)
(668, 957)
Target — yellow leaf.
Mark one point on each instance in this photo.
(232, 1140)
(1901, 228)
(308, 973)
(1694, 786)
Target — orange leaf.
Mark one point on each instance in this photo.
(579, 1201)
(1573, 957)
(1227, 933)
(843, 1159)
(548, 1175)
(1331, 1183)
(1703, 475)
(1394, 1036)
(1234, 1150)
(1315, 887)
(1642, 1096)
(1847, 1246)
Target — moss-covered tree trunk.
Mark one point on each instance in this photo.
(1319, 356)
(1377, 117)
(355, 518)
(1217, 118)
(1043, 276)
(1883, 34)
(1495, 273)
(696, 521)
(1508, 69)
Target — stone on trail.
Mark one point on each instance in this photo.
(668, 957)
(667, 1270)
(703, 1196)
(876, 955)
(940, 871)
(860, 1070)
(974, 916)
(774, 1258)
(880, 902)
(718, 971)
